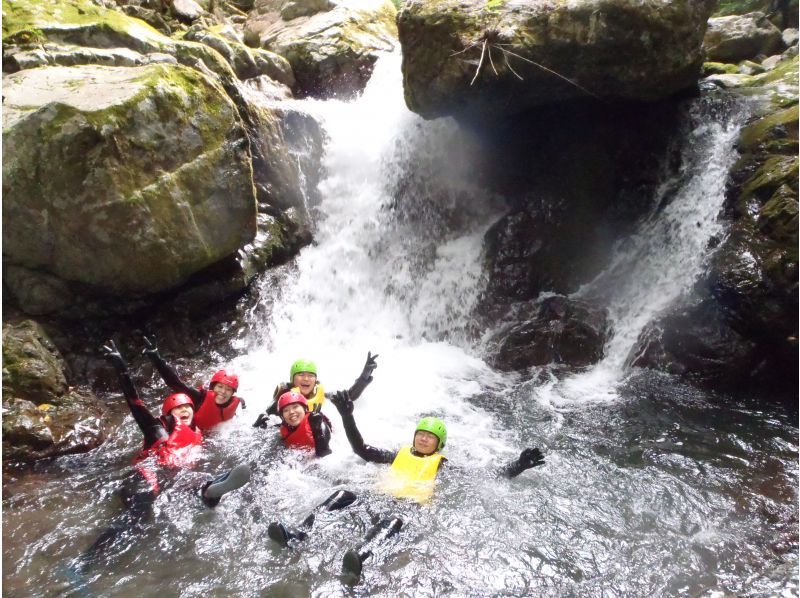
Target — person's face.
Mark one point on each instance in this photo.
(293, 414)
(183, 414)
(425, 443)
(222, 393)
(305, 381)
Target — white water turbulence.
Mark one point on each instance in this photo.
(652, 268)
(395, 267)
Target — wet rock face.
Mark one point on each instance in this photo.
(485, 59)
(555, 330)
(42, 415)
(741, 37)
(741, 327)
(577, 177)
(332, 47)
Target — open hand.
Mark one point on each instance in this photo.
(342, 402)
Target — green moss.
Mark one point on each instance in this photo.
(776, 171)
(776, 132)
(67, 17)
(740, 7)
(719, 68)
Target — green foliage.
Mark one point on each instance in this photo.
(740, 7)
(495, 4)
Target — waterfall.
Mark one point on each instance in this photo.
(651, 269)
(395, 267)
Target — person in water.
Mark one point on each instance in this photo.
(171, 441)
(412, 476)
(301, 428)
(212, 405)
(303, 379)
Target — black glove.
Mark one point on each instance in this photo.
(369, 367)
(112, 354)
(341, 400)
(262, 421)
(531, 457)
(150, 349)
(316, 420)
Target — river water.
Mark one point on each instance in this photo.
(650, 487)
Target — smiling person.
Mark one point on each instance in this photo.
(301, 428)
(303, 379)
(212, 405)
(171, 442)
(412, 476)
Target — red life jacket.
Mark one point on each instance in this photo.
(210, 414)
(300, 437)
(180, 449)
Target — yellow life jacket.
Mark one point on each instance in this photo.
(317, 399)
(412, 476)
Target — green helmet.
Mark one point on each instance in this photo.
(436, 427)
(302, 365)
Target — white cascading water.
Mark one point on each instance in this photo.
(383, 279)
(652, 268)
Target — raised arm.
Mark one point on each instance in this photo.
(170, 376)
(151, 427)
(364, 378)
(530, 457)
(344, 405)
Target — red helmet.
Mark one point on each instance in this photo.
(225, 377)
(175, 400)
(289, 398)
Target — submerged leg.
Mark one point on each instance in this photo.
(212, 491)
(354, 558)
(122, 530)
(281, 533)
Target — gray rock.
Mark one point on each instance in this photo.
(125, 180)
(553, 330)
(186, 11)
(42, 415)
(466, 57)
(790, 37)
(332, 53)
(741, 37)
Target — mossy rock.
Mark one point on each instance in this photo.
(33, 369)
(719, 68)
(488, 60)
(81, 23)
(332, 53)
(125, 180)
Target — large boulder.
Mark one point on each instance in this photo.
(741, 37)
(42, 415)
(119, 181)
(493, 58)
(332, 47)
(553, 330)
